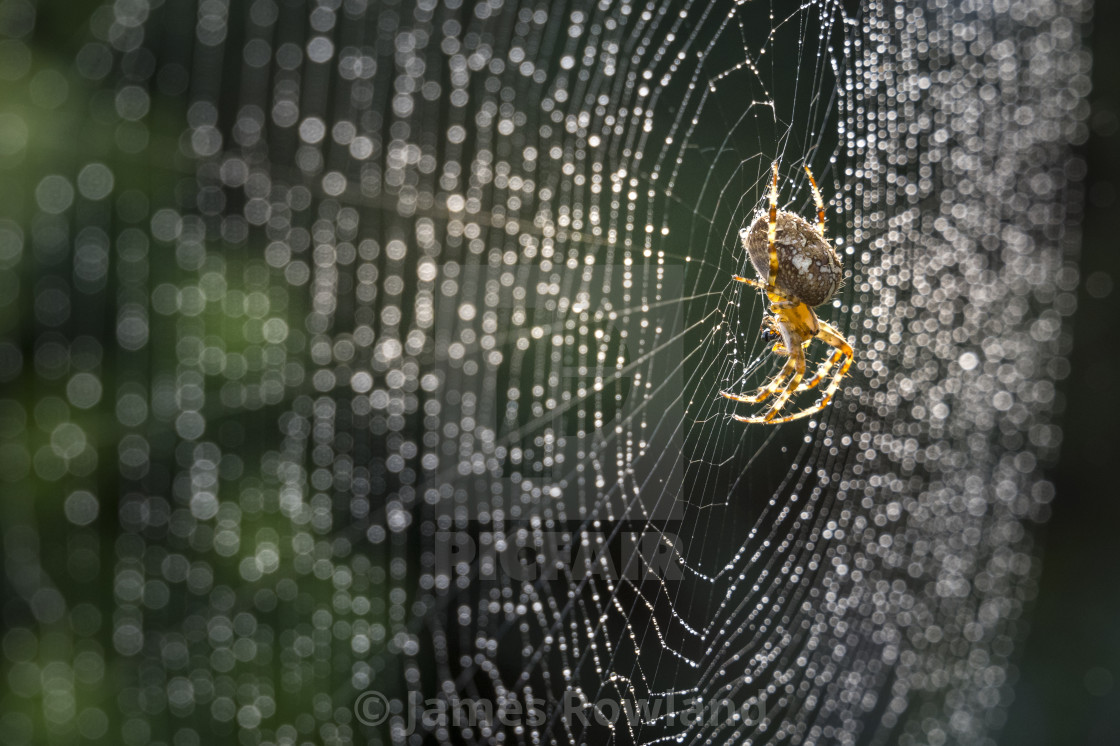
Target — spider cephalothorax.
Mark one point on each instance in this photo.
(799, 270)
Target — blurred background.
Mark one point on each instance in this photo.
(202, 540)
(1067, 690)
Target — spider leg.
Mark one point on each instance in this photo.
(797, 357)
(775, 383)
(831, 336)
(745, 281)
(818, 200)
(822, 371)
(772, 232)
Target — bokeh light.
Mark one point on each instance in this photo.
(296, 296)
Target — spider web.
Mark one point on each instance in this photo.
(400, 289)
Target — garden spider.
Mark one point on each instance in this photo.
(801, 270)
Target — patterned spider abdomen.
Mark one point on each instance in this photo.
(808, 268)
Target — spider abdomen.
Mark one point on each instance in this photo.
(808, 268)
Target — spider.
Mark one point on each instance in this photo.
(801, 271)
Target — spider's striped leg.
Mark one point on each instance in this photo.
(797, 357)
(818, 200)
(773, 385)
(772, 232)
(822, 371)
(831, 336)
(747, 281)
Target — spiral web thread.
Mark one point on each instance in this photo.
(408, 276)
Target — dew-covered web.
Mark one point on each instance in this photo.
(327, 310)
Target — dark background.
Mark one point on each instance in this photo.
(1068, 690)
